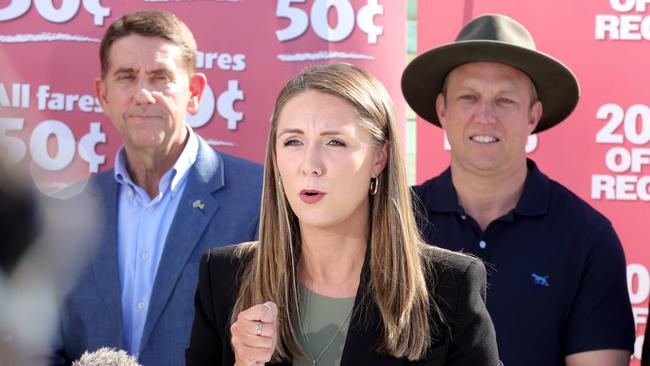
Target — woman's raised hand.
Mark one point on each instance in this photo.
(254, 334)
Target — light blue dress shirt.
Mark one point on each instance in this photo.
(142, 226)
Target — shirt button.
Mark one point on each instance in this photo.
(149, 209)
(463, 217)
(141, 305)
(145, 256)
(129, 193)
(482, 244)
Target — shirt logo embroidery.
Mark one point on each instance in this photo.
(540, 280)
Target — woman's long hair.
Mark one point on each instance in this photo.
(397, 276)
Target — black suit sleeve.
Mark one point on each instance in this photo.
(473, 337)
(205, 341)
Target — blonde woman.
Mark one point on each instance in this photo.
(340, 274)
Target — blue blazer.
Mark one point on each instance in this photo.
(91, 314)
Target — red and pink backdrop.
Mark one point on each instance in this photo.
(51, 120)
(601, 151)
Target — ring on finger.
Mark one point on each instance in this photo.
(259, 326)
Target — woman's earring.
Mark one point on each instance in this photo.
(374, 185)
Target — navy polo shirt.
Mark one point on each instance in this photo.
(556, 269)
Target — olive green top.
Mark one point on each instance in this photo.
(322, 316)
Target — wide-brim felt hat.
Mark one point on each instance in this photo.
(493, 38)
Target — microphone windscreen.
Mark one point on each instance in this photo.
(106, 357)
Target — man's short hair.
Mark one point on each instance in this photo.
(152, 23)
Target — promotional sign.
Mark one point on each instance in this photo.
(51, 119)
(601, 151)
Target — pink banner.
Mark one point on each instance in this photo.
(601, 151)
(49, 115)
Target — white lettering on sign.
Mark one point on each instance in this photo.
(620, 187)
(318, 18)
(38, 145)
(628, 5)
(63, 138)
(46, 8)
(623, 127)
(223, 61)
(224, 105)
(620, 159)
(638, 285)
(47, 100)
(16, 96)
(636, 124)
(624, 27)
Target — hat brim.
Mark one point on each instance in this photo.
(556, 85)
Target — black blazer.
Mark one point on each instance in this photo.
(467, 337)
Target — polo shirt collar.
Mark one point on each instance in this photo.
(534, 200)
(446, 199)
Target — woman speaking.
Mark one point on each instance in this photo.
(339, 274)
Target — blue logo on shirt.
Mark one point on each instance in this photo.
(540, 280)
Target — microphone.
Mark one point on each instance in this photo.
(106, 357)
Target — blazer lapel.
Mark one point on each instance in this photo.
(194, 213)
(365, 328)
(104, 261)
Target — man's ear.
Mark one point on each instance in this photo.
(100, 91)
(198, 81)
(381, 158)
(441, 109)
(534, 115)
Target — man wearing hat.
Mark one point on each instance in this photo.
(557, 287)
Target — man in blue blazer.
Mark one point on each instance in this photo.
(169, 198)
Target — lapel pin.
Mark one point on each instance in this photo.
(198, 204)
